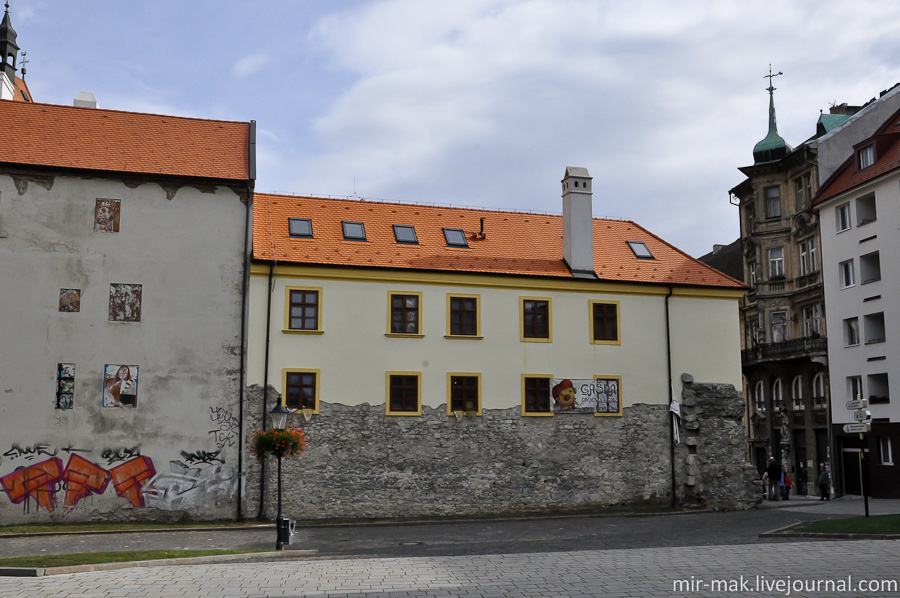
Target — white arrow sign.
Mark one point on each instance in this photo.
(853, 428)
(858, 404)
(863, 415)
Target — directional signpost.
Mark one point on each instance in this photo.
(863, 419)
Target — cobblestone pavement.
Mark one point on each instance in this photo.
(851, 567)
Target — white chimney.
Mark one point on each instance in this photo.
(85, 99)
(578, 222)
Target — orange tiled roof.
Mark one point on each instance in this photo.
(849, 176)
(127, 142)
(23, 94)
(514, 243)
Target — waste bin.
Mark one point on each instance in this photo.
(286, 530)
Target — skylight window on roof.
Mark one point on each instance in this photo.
(640, 250)
(455, 237)
(354, 231)
(300, 227)
(405, 234)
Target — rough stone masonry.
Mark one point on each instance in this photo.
(360, 463)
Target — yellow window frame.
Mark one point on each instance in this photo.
(477, 335)
(618, 339)
(450, 376)
(387, 393)
(529, 339)
(287, 311)
(527, 413)
(284, 376)
(390, 299)
(618, 380)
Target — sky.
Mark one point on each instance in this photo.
(481, 103)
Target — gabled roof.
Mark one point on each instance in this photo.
(68, 137)
(887, 158)
(514, 243)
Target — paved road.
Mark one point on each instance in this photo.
(476, 537)
(645, 572)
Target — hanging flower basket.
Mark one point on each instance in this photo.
(289, 442)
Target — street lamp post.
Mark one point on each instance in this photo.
(279, 421)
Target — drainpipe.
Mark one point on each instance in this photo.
(251, 176)
(262, 466)
(670, 389)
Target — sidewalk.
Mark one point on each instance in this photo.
(845, 506)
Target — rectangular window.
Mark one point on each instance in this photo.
(865, 210)
(773, 202)
(65, 385)
(304, 310)
(776, 262)
(811, 315)
(300, 227)
(848, 277)
(851, 332)
(873, 327)
(640, 250)
(842, 217)
(535, 319)
(301, 389)
(870, 267)
(536, 395)
(854, 387)
(353, 231)
(778, 320)
(455, 237)
(751, 267)
(124, 303)
(404, 393)
(866, 156)
(404, 313)
(405, 234)
(464, 393)
(604, 322)
(609, 395)
(879, 389)
(463, 316)
(885, 454)
(813, 255)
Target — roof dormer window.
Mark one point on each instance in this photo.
(405, 234)
(353, 231)
(639, 248)
(300, 227)
(866, 156)
(455, 237)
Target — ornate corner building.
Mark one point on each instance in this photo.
(784, 349)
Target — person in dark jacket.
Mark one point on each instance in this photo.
(822, 482)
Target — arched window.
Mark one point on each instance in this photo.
(818, 390)
(759, 397)
(797, 393)
(777, 396)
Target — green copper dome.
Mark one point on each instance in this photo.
(773, 147)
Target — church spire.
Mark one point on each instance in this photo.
(773, 147)
(8, 48)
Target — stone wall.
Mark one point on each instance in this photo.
(711, 462)
(361, 464)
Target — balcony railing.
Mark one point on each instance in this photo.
(792, 349)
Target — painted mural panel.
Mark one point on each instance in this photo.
(598, 395)
(106, 215)
(120, 385)
(65, 385)
(70, 300)
(125, 303)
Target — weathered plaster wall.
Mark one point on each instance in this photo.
(174, 454)
(361, 464)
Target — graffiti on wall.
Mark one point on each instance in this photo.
(38, 482)
(184, 487)
(120, 384)
(227, 426)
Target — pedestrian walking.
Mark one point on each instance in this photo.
(822, 482)
(786, 488)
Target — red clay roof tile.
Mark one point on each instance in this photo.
(514, 243)
(126, 142)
